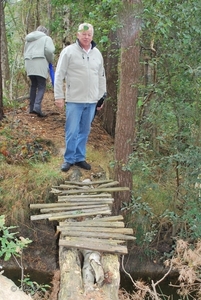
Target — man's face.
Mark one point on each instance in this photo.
(85, 37)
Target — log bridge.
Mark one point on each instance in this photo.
(91, 239)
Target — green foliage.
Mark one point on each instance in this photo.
(33, 288)
(10, 244)
(101, 14)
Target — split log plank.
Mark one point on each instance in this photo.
(68, 204)
(94, 223)
(87, 244)
(102, 235)
(106, 212)
(74, 214)
(71, 208)
(109, 184)
(102, 195)
(104, 219)
(100, 200)
(104, 229)
(96, 190)
(93, 240)
(103, 185)
(89, 182)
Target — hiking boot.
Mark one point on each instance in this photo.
(83, 165)
(39, 114)
(66, 166)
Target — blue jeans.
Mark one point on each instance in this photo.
(79, 117)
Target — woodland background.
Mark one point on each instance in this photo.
(152, 52)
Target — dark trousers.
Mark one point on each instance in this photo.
(37, 90)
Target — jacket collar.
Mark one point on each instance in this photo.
(93, 44)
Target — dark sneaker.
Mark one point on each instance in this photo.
(83, 165)
(65, 167)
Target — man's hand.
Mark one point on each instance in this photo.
(99, 104)
(60, 103)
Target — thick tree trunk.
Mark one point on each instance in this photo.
(108, 113)
(1, 92)
(95, 278)
(70, 280)
(125, 123)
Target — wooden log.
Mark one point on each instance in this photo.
(87, 185)
(110, 264)
(93, 191)
(102, 235)
(70, 270)
(95, 196)
(89, 182)
(68, 204)
(111, 218)
(75, 213)
(109, 184)
(103, 219)
(106, 212)
(71, 208)
(93, 245)
(103, 200)
(94, 223)
(102, 229)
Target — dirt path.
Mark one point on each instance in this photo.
(52, 127)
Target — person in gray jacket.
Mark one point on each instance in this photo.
(38, 54)
(81, 66)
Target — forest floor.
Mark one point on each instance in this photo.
(41, 256)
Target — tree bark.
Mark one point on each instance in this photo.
(127, 98)
(1, 92)
(70, 280)
(4, 56)
(108, 113)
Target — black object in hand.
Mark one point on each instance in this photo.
(100, 102)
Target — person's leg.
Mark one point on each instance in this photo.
(41, 85)
(84, 131)
(33, 88)
(73, 116)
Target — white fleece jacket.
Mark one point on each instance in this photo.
(83, 73)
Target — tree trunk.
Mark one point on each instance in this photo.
(71, 280)
(4, 56)
(127, 98)
(108, 113)
(1, 93)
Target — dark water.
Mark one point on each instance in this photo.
(126, 283)
(37, 276)
(164, 289)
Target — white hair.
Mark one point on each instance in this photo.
(42, 29)
(86, 26)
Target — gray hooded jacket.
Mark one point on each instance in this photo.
(38, 53)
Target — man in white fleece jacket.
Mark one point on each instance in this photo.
(81, 66)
